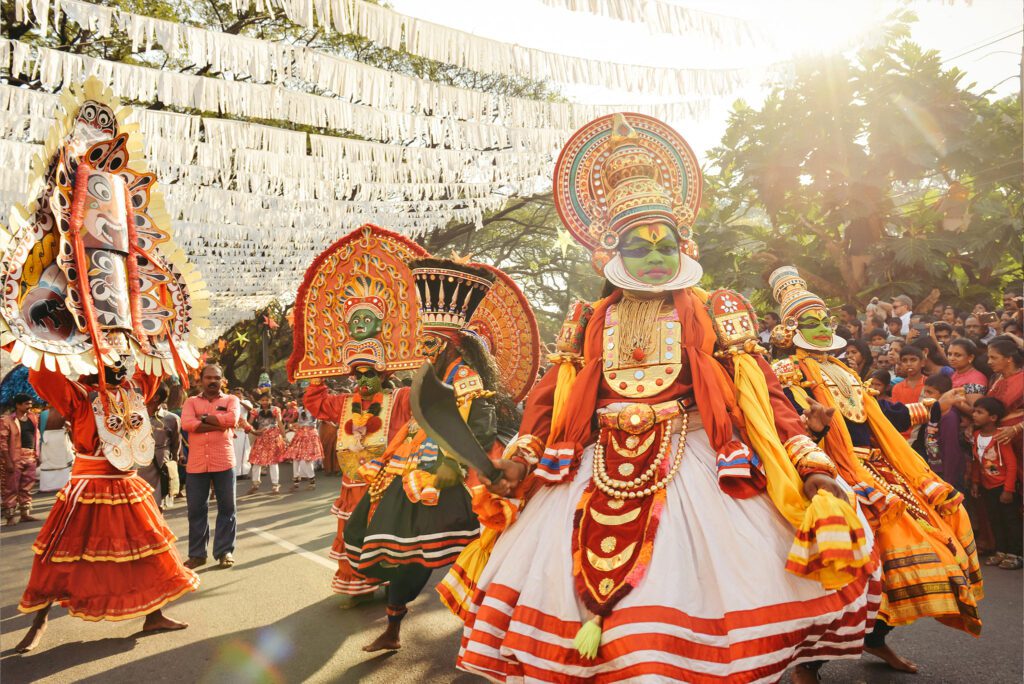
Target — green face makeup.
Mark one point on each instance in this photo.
(363, 325)
(816, 329)
(368, 380)
(650, 253)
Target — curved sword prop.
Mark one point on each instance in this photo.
(436, 411)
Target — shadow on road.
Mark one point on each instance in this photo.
(51, 661)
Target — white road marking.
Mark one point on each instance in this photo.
(284, 543)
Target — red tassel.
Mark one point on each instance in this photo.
(132, 268)
(100, 346)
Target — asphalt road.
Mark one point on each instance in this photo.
(272, 619)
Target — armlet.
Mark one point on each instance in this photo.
(734, 322)
(808, 458)
(468, 386)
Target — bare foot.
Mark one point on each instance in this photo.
(25, 517)
(158, 622)
(35, 632)
(802, 674)
(388, 641)
(892, 659)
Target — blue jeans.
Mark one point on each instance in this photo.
(198, 492)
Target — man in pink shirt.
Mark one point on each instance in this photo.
(210, 419)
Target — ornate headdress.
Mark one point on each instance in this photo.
(364, 293)
(506, 324)
(790, 290)
(622, 170)
(365, 270)
(449, 292)
(90, 276)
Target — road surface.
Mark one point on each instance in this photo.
(272, 618)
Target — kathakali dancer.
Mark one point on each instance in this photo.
(418, 514)
(356, 315)
(92, 286)
(929, 561)
(688, 528)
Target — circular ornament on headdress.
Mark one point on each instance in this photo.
(620, 167)
(505, 321)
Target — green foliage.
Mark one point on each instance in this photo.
(243, 358)
(858, 152)
(521, 239)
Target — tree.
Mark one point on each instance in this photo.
(856, 157)
(522, 239)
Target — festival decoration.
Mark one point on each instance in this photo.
(357, 302)
(90, 275)
(451, 46)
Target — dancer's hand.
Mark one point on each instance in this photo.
(819, 481)
(513, 473)
(445, 476)
(817, 417)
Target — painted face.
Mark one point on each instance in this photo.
(650, 253)
(363, 324)
(816, 328)
(368, 380)
(430, 345)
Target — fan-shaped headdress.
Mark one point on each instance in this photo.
(90, 274)
(365, 270)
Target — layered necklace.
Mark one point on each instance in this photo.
(638, 325)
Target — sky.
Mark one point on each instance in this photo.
(795, 26)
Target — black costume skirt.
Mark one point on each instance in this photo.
(403, 533)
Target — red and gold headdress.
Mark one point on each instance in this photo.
(506, 323)
(459, 298)
(365, 270)
(622, 170)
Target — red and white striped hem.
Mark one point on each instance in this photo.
(354, 588)
(504, 640)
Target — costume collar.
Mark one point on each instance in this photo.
(690, 273)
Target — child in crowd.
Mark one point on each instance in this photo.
(895, 327)
(304, 450)
(268, 449)
(911, 364)
(936, 385)
(880, 381)
(994, 479)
